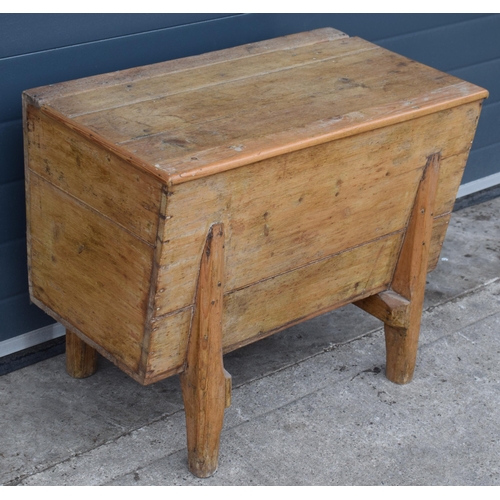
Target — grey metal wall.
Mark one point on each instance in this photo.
(41, 49)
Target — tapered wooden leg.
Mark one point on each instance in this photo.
(401, 307)
(206, 386)
(81, 359)
(410, 278)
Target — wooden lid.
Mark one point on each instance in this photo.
(197, 116)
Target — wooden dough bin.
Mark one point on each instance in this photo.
(181, 210)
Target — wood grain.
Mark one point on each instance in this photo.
(293, 98)
(451, 167)
(131, 372)
(133, 75)
(168, 345)
(287, 211)
(200, 77)
(220, 159)
(387, 306)
(190, 151)
(81, 359)
(153, 279)
(259, 310)
(439, 228)
(410, 278)
(89, 271)
(204, 380)
(92, 174)
(214, 94)
(263, 308)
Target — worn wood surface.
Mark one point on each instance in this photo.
(266, 307)
(284, 212)
(81, 359)
(439, 228)
(276, 303)
(83, 86)
(193, 99)
(149, 327)
(181, 124)
(94, 175)
(204, 380)
(240, 153)
(409, 278)
(168, 345)
(388, 306)
(316, 164)
(309, 149)
(195, 81)
(89, 271)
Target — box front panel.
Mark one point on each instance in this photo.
(326, 218)
(261, 309)
(293, 209)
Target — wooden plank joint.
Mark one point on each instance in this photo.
(388, 306)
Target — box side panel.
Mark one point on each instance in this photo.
(90, 173)
(450, 175)
(286, 211)
(273, 304)
(452, 166)
(89, 271)
(439, 229)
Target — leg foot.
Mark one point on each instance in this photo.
(206, 386)
(81, 359)
(401, 353)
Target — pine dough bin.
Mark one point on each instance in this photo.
(181, 210)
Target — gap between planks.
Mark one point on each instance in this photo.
(248, 285)
(153, 280)
(82, 203)
(239, 52)
(215, 84)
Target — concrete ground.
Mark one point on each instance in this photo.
(311, 405)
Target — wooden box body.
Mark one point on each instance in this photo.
(309, 149)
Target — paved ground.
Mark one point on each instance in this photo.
(310, 406)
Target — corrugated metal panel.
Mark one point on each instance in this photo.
(488, 129)
(482, 163)
(373, 27)
(19, 316)
(453, 46)
(23, 34)
(12, 212)
(14, 268)
(42, 49)
(485, 75)
(11, 151)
